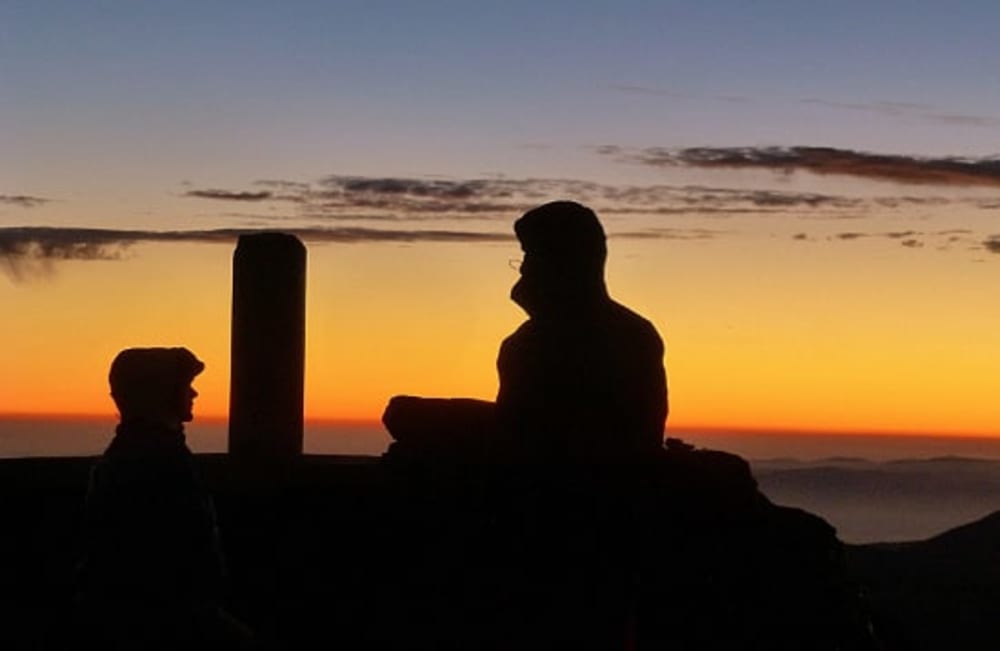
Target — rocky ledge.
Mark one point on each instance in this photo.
(411, 551)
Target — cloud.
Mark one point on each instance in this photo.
(894, 109)
(30, 252)
(961, 120)
(414, 187)
(282, 185)
(98, 243)
(398, 199)
(23, 200)
(992, 243)
(906, 201)
(949, 171)
(696, 199)
(905, 238)
(686, 234)
(357, 235)
(688, 211)
(346, 208)
(888, 108)
(609, 150)
(360, 200)
(771, 198)
(922, 112)
(227, 195)
(883, 107)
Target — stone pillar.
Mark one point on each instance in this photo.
(268, 347)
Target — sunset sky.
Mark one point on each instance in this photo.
(803, 197)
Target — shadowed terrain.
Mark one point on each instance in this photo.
(404, 552)
(939, 593)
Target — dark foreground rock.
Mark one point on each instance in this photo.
(435, 553)
(940, 593)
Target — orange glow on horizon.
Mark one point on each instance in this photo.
(761, 336)
(674, 428)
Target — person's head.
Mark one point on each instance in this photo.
(154, 384)
(564, 253)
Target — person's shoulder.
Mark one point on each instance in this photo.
(518, 345)
(525, 331)
(634, 323)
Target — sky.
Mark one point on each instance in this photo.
(803, 198)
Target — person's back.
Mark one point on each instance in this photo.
(588, 389)
(150, 523)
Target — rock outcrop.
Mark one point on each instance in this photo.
(680, 550)
(420, 551)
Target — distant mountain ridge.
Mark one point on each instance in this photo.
(976, 539)
(886, 501)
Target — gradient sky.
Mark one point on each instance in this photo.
(803, 198)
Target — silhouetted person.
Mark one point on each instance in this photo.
(582, 395)
(152, 571)
(583, 378)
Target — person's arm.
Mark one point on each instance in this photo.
(652, 406)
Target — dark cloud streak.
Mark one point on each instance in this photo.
(684, 234)
(227, 195)
(28, 252)
(23, 200)
(914, 170)
(359, 200)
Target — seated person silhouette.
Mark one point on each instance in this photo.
(152, 568)
(582, 380)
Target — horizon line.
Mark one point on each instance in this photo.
(680, 429)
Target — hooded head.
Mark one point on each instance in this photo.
(564, 253)
(154, 384)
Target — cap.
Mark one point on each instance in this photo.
(563, 229)
(144, 368)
